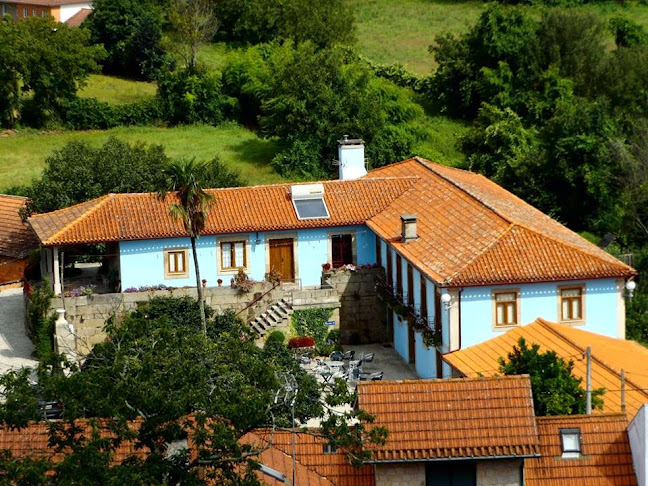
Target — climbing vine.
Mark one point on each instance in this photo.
(312, 322)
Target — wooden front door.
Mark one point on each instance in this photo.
(282, 258)
(412, 342)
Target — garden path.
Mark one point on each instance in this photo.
(15, 347)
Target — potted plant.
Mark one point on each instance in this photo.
(219, 282)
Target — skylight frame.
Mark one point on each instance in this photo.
(571, 452)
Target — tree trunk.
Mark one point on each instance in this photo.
(201, 299)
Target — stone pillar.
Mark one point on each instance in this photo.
(65, 341)
(56, 272)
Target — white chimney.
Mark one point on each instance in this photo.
(638, 435)
(408, 227)
(351, 158)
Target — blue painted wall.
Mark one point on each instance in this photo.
(537, 300)
(425, 358)
(142, 261)
(401, 344)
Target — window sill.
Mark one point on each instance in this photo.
(231, 271)
(180, 275)
(575, 322)
(504, 327)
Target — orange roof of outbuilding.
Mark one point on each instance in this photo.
(609, 357)
(309, 453)
(606, 458)
(16, 238)
(33, 441)
(466, 418)
(471, 231)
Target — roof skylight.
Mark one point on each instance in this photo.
(308, 200)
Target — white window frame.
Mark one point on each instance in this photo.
(571, 453)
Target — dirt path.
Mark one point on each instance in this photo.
(15, 346)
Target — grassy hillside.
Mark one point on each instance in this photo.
(116, 90)
(401, 31)
(22, 155)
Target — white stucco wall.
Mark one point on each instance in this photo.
(67, 11)
(638, 435)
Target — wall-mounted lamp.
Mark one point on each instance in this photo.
(258, 240)
(447, 301)
(630, 286)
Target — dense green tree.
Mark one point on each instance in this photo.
(500, 45)
(79, 172)
(158, 367)
(130, 31)
(628, 33)
(556, 391)
(48, 59)
(322, 22)
(310, 97)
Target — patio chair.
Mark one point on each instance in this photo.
(349, 355)
(305, 360)
(377, 376)
(336, 356)
(355, 373)
(368, 358)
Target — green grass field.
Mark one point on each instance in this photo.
(391, 31)
(401, 31)
(117, 90)
(22, 156)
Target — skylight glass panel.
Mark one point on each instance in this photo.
(311, 208)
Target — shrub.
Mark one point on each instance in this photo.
(186, 97)
(41, 320)
(88, 114)
(301, 342)
(275, 338)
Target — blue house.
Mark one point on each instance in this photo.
(464, 259)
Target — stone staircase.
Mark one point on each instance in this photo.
(277, 315)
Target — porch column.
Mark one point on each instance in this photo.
(56, 272)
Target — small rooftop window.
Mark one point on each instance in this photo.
(308, 200)
(330, 448)
(570, 443)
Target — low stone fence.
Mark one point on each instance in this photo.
(88, 314)
(357, 310)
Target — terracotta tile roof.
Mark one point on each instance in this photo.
(118, 217)
(16, 238)
(45, 3)
(456, 418)
(33, 441)
(473, 232)
(309, 453)
(606, 457)
(609, 357)
(78, 18)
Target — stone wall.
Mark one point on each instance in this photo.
(357, 310)
(362, 313)
(88, 314)
(499, 473)
(412, 474)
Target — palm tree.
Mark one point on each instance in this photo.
(185, 179)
